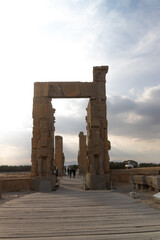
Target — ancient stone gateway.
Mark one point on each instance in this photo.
(97, 144)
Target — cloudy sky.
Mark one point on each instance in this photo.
(61, 40)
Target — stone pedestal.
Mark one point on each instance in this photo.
(97, 182)
(43, 184)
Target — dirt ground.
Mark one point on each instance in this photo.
(7, 196)
(143, 195)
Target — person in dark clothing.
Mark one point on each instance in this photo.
(70, 173)
(57, 172)
(74, 172)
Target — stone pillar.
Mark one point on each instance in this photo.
(59, 155)
(82, 155)
(97, 136)
(43, 135)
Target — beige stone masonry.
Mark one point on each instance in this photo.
(95, 159)
(59, 155)
(82, 155)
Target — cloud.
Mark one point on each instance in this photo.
(45, 40)
(71, 143)
(70, 116)
(15, 147)
(14, 155)
(125, 148)
(137, 118)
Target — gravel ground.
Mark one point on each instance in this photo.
(143, 195)
(7, 196)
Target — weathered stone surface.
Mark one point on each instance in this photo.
(151, 181)
(98, 144)
(99, 73)
(19, 184)
(59, 155)
(148, 180)
(40, 89)
(99, 182)
(43, 124)
(72, 89)
(43, 137)
(156, 182)
(43, 184)
(82, 155)
(139, 179)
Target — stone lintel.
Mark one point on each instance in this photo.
(70, 89)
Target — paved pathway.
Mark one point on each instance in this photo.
(71, 213)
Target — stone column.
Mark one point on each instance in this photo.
(59, 155)
(97, 136)
(82, 155)
(43, 134)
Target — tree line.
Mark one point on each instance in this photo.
(121, 165)
(113, 165)
(21, 168)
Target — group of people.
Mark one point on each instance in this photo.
(56, 172)
(71, 172)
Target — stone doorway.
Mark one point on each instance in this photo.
(97, 134)
(70, 120)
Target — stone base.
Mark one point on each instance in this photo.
(97, 182)
(82, 172)
(44, 184)
(15, 184)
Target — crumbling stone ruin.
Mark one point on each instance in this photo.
(59, 155)
(43, 135)
(97, 144)
(83, 163)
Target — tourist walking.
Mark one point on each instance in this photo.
(70, 173)
(74, 172)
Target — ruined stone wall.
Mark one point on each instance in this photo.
(59, 155)
(82, 155)
(124, 175)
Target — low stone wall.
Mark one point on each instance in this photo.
(124, 175)
(147, 181)
(11, 185)
(12, 182)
